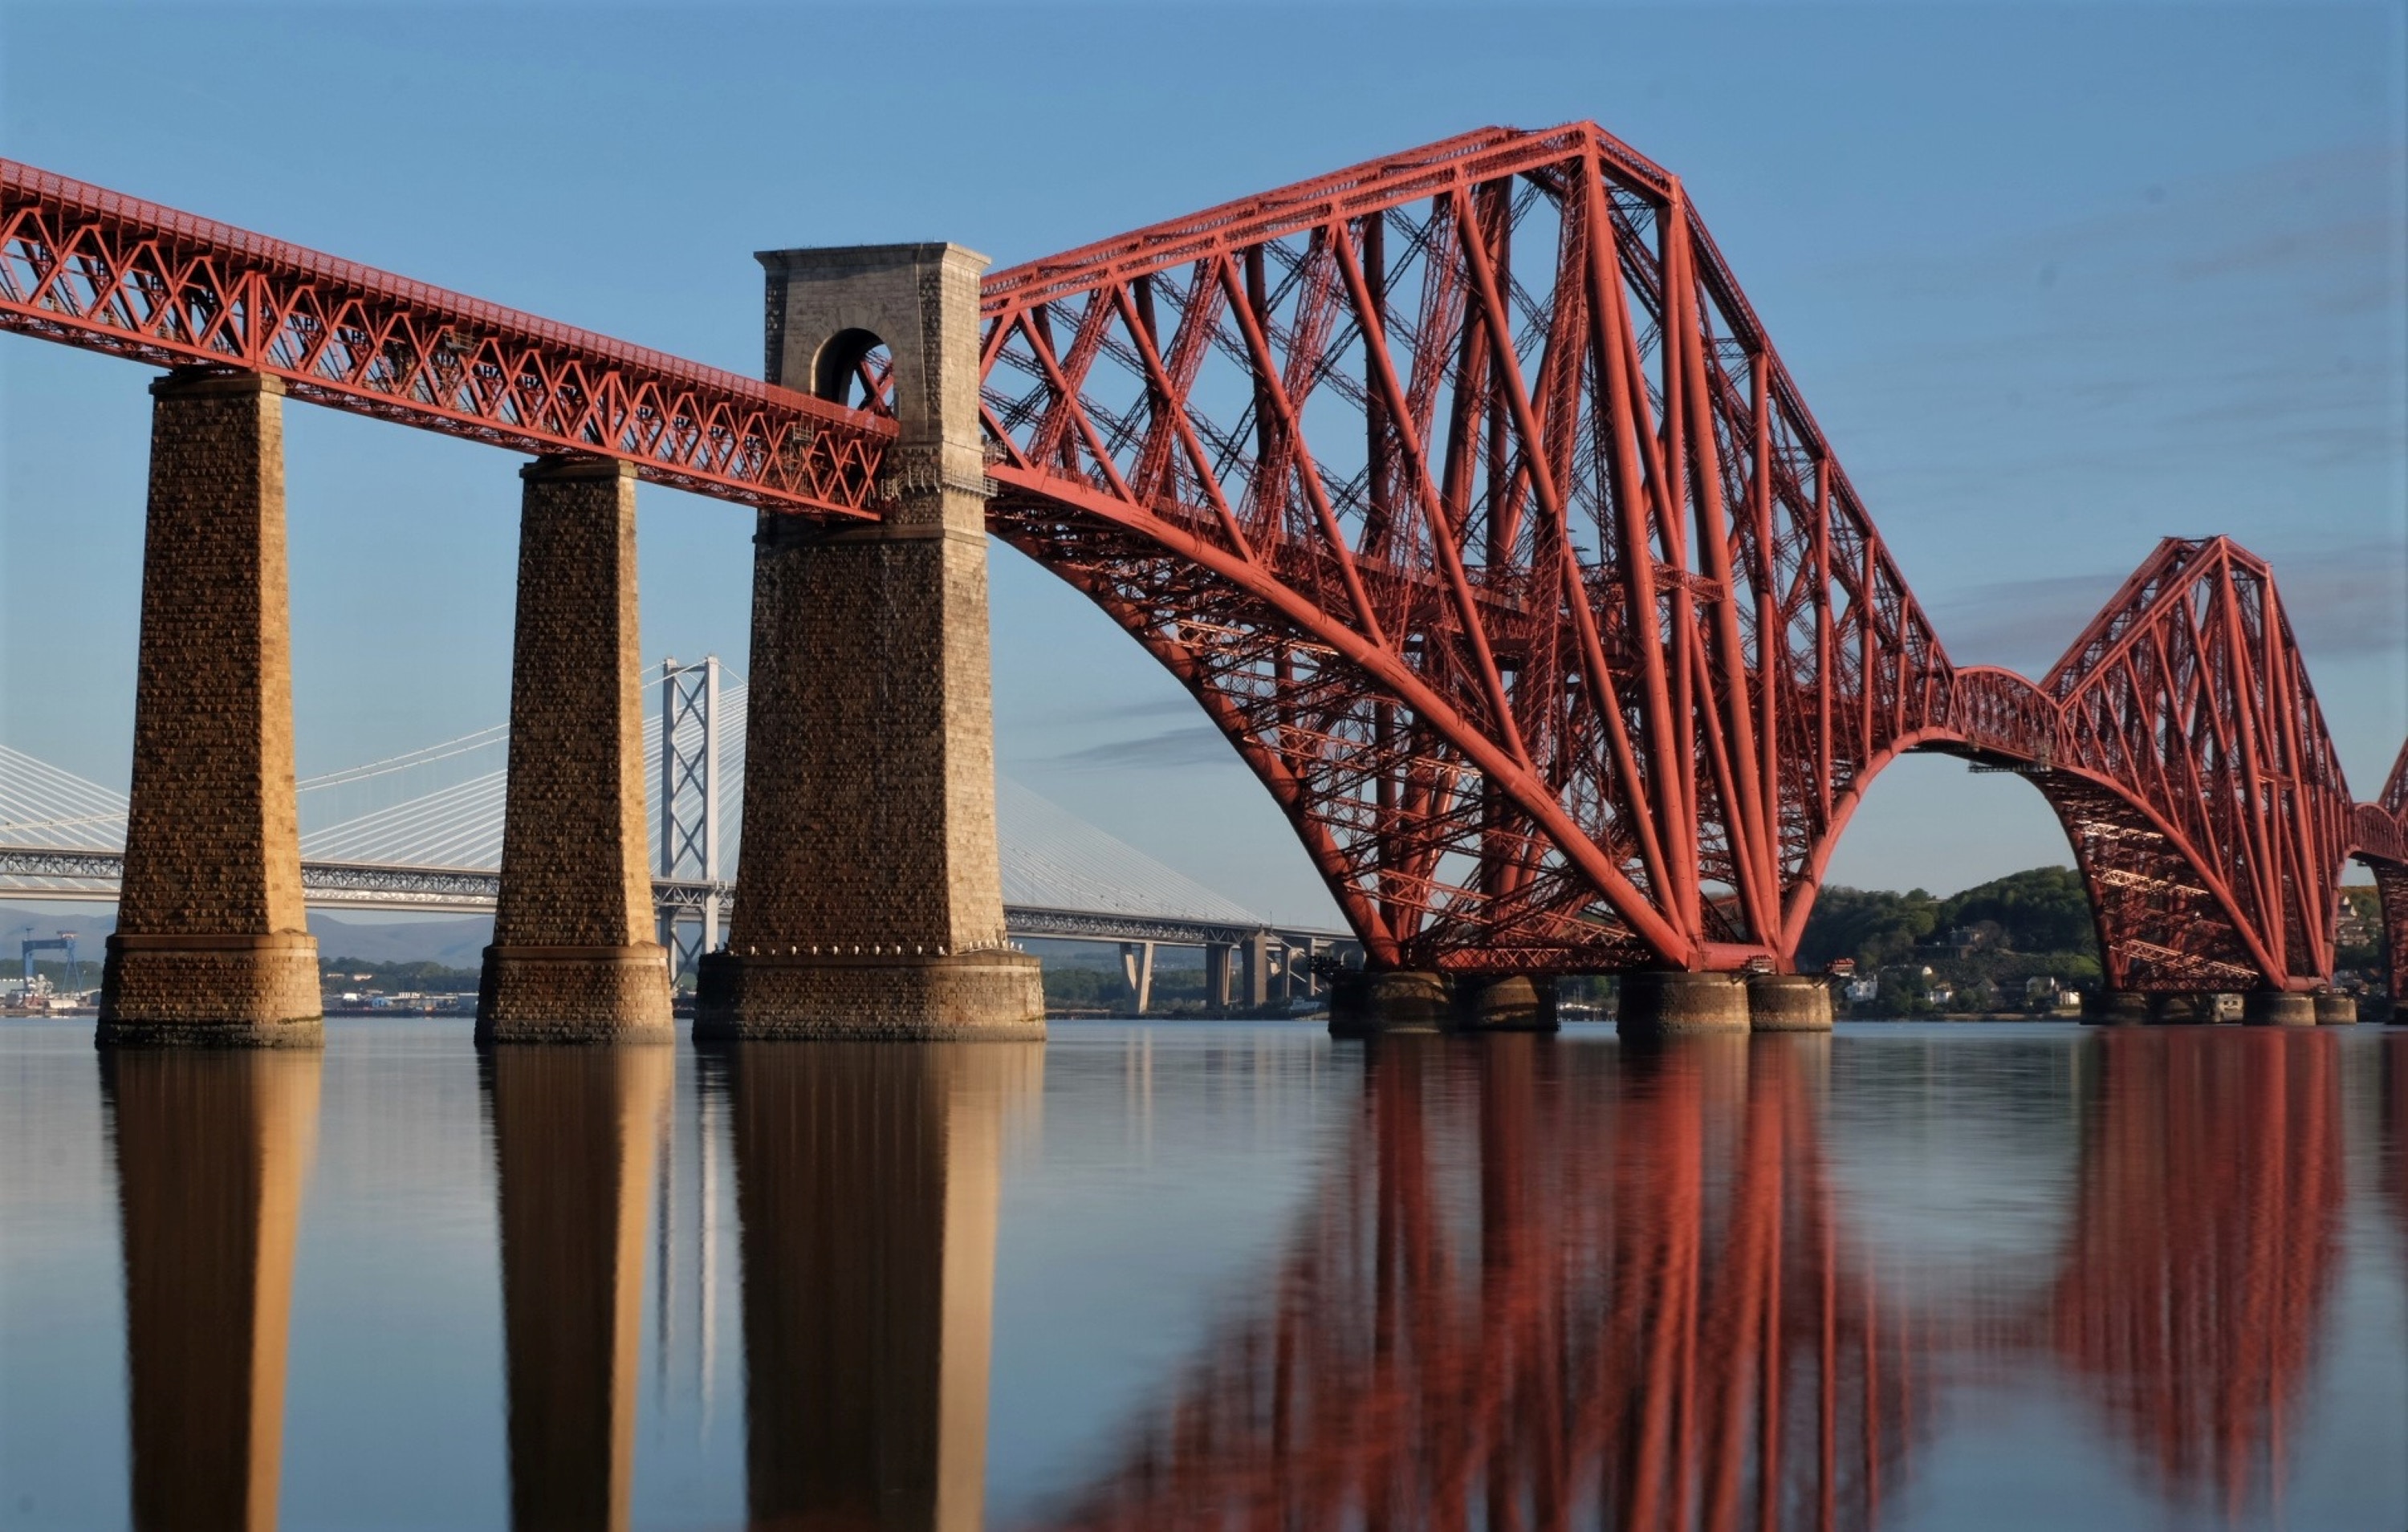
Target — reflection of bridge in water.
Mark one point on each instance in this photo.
(1543, 1285)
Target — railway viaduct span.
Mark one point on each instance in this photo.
(1463, 489)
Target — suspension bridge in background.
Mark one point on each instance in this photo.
(1463, 489)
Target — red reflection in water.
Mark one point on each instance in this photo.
(1560, 1286)
(1550, 1286)
(2206, 1241)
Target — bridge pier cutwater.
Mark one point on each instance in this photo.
(572, 959)
(213, 946)
(873, 895)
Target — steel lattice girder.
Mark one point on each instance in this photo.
(1465, 490)
(92, 269)
(2187, 697)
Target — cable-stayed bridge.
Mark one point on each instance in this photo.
(421, 831)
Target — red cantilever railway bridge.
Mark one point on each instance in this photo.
(1466, 493)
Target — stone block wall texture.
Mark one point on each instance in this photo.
(211, 944)
(873, 890)
(573, 958)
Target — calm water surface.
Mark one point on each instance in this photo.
(1166, 1275)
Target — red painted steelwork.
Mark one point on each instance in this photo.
(92, 269)
(1465, 491)
(2196, 780)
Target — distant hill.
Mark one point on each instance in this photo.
(454, 942)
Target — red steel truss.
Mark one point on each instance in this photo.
(2195, 778)
(1466, 493)
(111, 273)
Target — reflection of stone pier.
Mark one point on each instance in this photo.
(574, 1131)
(211, 1151)
(867, 1178)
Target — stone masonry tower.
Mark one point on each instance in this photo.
(870, 901)
(212, 947)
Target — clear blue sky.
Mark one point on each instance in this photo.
(2058, 281)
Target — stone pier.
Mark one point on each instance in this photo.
(1788, 1002)
(1504, 1003)
(1368, 1002)
(873, 895)
(2336, 1009)
(2182, 1007)
(213, 946)
(2277, 1007)
(573, 959)
(2115, 1007)
(1658, 1002)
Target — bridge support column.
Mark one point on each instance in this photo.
(1788, 1002)
(2278, 1007)
(1497, 1002)
(2115, 1007)
(1368, 1002)
(1255, 965)
(1659, 1002)
(213, 946)
(572, 959)
(1136, 966)
(872, 902)
(1219, 991)
(2336, 1009)
(2182, 1008)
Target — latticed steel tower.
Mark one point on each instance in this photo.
(689, 807)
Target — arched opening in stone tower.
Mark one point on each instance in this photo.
(855, 368)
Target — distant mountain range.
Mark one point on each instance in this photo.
(455, 942)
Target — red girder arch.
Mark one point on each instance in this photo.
(1466, 492)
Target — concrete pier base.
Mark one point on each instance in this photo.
(2277, 1007)
(1370, 1002)
(1788, 1002)
(2336, 1010)
(212, 947)
(1504, 1003)
(572, 959)
(2115, 1007)
(1659, 1003)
